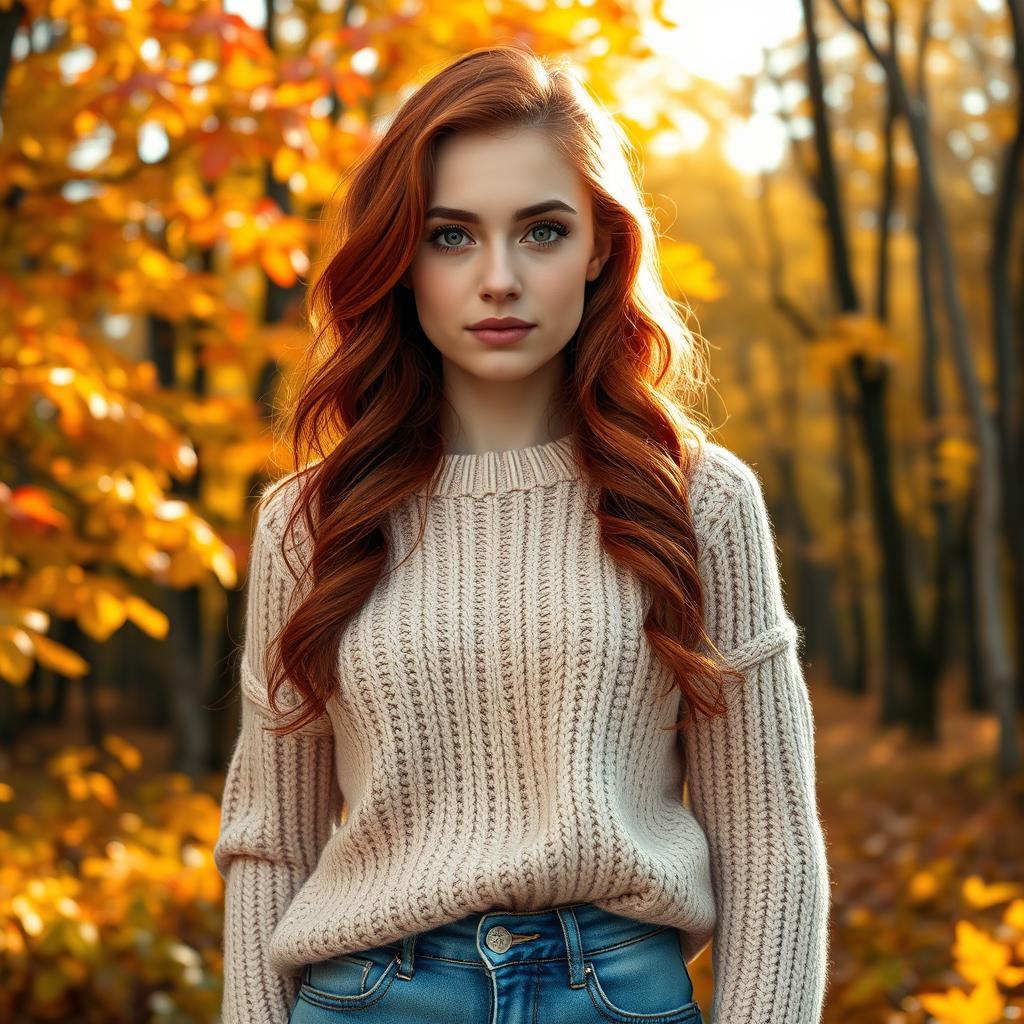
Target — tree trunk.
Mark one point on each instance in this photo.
(993, 640)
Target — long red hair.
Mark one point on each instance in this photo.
(368, 406)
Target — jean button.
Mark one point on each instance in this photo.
(499, 939)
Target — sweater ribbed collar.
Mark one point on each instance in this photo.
(514, 469)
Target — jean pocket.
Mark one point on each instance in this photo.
(350, 979)
(643, 981)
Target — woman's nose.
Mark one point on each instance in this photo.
(499, 277)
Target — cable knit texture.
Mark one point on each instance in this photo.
(497, 739)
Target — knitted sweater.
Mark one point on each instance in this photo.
(496, 736)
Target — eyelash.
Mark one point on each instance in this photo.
(560, 229)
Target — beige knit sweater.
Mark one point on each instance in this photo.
(496, 738)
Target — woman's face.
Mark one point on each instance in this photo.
(508, 233)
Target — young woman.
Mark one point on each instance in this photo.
(476, 618)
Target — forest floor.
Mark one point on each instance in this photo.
(916, 836)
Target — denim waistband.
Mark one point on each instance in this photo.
(506, 936)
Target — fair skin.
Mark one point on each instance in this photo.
(499, 266)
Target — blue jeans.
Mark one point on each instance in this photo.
(573, 964)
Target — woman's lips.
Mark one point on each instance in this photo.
(501, 336)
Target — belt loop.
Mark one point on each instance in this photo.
(573, 946)
(405, 968)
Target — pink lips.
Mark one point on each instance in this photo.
(501, 335)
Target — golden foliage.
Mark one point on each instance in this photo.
(109, 897)
(105, 228)
(927, 895)
(984, 960)
(687, 273)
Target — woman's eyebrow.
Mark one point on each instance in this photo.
(452, 213)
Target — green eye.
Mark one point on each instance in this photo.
(560, 231)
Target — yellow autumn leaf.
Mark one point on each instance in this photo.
(78, 788)
(923, 886)
(58, 657)
(278, 267)
(298, 93)
(686, 271)
(182, 570)
(202, 304)
(193, 814)
(222, 562)
(156, 266)
(127, 753)
(980, 957)
(70, 410)
(245, 75)
(85, 123)
(62, 8)
(69, 257)
(172, 121)
(150, 620)
(977, 893)
(318, 180)
(31, 147)
(23, 615)
(192, 201)
(1014, 915)
(176, 235)
(16, 655)
(102, 788)
(244, 236)
(70, 759)
(286, 162)
(100, 612)
(984, 1005)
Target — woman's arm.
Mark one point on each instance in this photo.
(280, 803)
(751, 776)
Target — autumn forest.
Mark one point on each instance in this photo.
(839, 191)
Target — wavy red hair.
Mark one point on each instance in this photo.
(369, 402)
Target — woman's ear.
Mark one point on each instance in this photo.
(602, 250)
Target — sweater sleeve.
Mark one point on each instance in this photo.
(751, 780)
(279, 805)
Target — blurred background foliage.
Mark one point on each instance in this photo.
(838, 186)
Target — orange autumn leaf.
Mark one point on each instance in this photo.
(34, 506)
(983, 1005)
(278, 266)
(56, 656)
(1014, 915)
(979, 894)
(980, 957)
